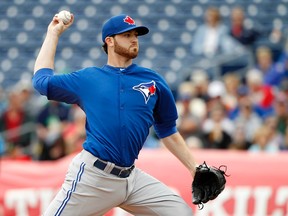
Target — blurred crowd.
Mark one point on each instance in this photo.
(33, 128)
(236, 109)
(244, 109)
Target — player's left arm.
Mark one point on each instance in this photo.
(177, 146)
(165, 116)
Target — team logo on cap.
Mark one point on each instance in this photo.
(129, 20)
(147, 89)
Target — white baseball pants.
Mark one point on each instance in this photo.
(88, 190)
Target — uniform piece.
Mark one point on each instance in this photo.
(208, 183)
(95, 191)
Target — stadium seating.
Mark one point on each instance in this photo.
(166, 49)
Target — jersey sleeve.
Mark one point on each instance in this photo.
(63, 88)
(165, 113)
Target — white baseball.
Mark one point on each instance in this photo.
(65, 16)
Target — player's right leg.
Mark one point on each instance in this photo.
(87, 190)
(148, 196)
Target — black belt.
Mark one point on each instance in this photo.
(120, 172)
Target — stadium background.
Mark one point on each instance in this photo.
(166, 49)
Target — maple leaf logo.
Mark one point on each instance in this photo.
(152, 89)
(129, 20)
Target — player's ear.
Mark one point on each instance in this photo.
(109, 41)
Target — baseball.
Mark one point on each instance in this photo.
(65, 16)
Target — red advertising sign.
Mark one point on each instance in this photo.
(258, 182)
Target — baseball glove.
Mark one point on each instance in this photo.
(208, 183)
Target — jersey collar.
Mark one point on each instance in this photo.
(110, 68)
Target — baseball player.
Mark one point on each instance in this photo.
(122, 101)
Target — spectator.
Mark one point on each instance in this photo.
(239, 140)
(212, 38)
(200, 80)
(261, 141)
(247, 119)
(16, 127)
(188, 124)
(239, 31)
(283, 87)
(212, 46)
(272, 72)
(216, 91)
(284, 146)
(232, 84)
(280, 108)
(267, 138)
(217, 129)
(51, 122)
(260, 94)
(32, 103)
(276, 137)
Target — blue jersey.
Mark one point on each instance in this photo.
(121, 104)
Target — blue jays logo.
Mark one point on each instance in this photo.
(146, 89)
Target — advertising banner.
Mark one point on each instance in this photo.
(257, 184)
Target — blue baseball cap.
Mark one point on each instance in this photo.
(120, 24)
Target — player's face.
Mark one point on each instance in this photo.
(126, 44)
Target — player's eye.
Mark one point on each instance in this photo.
(127, 35)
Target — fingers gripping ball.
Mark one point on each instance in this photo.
(208, 183)
(65, 16)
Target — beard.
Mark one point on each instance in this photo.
(130, 53)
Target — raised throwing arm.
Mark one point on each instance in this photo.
(46, 56)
